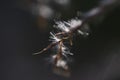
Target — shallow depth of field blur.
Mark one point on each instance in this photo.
(24, 30)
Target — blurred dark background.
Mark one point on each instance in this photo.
(96, 57)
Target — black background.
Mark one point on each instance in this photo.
(96, 58)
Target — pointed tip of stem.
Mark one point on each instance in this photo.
(37, 53)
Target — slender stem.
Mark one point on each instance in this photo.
(104, 7)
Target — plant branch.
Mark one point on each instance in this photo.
(70, 27)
